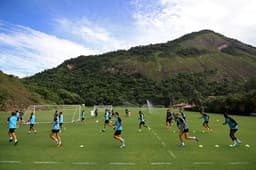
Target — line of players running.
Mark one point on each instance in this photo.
(182, 125)
(117, 125)
(15, 120)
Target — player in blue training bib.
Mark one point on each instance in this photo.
(83, 116)
(233, 129)
(12, 123)
(55, 132)
(61, 119)
(107, 119)
(142, 121)
(182, 125)
(32, 122)
(118, 129)
(206, 118)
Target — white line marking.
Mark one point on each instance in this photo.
(172, 154)
(84, 163)
(160, 163)
(238, 163)
(39, 162)
(204, 163)
(163, 144)
(11, 162)
(122, 163)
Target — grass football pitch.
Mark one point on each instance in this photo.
(149, 149)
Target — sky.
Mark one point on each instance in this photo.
(36, 35)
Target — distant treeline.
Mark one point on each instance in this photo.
(236, 97)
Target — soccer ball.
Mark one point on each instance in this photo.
(81, 146)
(97, 121)
(247, 145)
(200, 146)
(216, 146)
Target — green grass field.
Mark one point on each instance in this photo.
(150, 149)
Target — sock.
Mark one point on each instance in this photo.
(10, 138)
(15, 140)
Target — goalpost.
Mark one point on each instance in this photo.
(45, 113)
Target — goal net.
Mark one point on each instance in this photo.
(45, 113)
(101, 108)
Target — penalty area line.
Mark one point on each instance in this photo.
(10, 162)
(83, 163)
(203, 163)
(163, 144)
(160, 163)
(51, 162)
(122, 163)
(238, 163)
(172, 154)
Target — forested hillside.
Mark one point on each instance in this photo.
(13, 94)
(204, 68)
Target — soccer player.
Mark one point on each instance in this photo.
(12, 122)
(183, 115)
(32, 121)
(126, 112)
(18, 117)
(118, 129)
(206, 118)
(168, 118)
(96, 113)
(61, 119)
(83, 116)
(107, 119)
(142, 121)
(55, 133)
(233, 129)
(182, 125)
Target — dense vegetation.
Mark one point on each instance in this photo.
(14, 95)
(202, 68)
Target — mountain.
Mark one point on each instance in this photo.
(190, 69)
(13, 94)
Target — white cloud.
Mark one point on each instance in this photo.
(91, 33)
(163, 20)
(26, 51)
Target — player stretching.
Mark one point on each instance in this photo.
(182, 125)
(168, 119)
(12, 122)
(32, 121)
(233, 128)
(55, 133)
(107, 117)
(142, 121)
(118, 127)
(206, 121)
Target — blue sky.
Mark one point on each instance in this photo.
(40, 34)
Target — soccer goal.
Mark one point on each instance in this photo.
(100, 108)
(45, 113)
